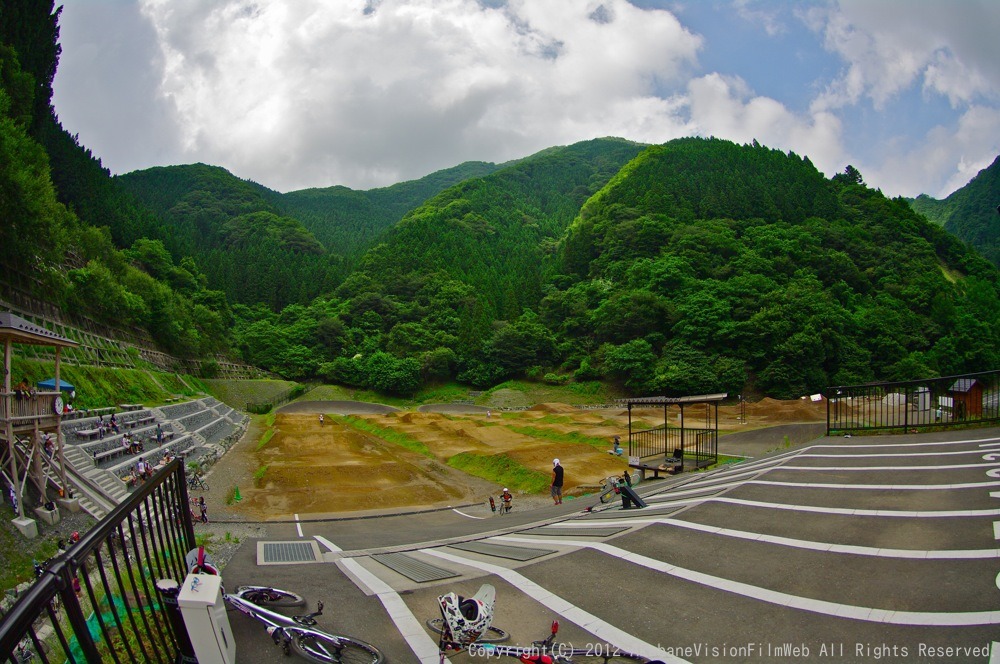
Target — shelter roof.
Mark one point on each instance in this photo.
(16, 329)
(671, 401)
(962, 385)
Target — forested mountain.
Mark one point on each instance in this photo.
(704, 265)
(242, 242)
(56, 201)
(695, 266)
(348, 221)
(971, 212)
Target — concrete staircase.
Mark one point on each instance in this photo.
(101, 491)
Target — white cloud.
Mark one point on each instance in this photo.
(947, 156)
(949, 49)
(725, 107)
(312, 93)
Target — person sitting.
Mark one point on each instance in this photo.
(126, 444)
(22, 389)
(616, 447)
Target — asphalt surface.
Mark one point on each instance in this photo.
(864, 549)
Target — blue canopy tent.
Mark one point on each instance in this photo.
(50, 384)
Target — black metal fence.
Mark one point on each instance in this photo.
(951, 401)
(698, 447)
(97, 602)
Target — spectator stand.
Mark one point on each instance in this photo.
(668, 448)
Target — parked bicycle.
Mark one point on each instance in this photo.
(296, 633)
(609, 489)
(195, 481)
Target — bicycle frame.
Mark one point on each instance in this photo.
(281, 628)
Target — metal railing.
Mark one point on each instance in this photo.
(700, 446)
(951, 401)
(97, 602)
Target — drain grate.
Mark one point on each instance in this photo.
(503, 550)
(272, 553)
(414, 569)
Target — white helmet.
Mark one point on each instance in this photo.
(468, 618)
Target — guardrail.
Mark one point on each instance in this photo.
(949, 401)
(97, 601)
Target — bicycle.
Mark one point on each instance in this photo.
(195, 482)
(609, 489)
(296, 633)
(548, 651)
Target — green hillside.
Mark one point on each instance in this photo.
(349, 221)
(971, 212)
(704, 266)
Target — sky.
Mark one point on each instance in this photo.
(366, 93)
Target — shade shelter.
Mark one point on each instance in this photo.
(50, 385)
(695, 436)
(25, 418)
(967, 399)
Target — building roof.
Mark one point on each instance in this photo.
(19, 330)
(962, 385)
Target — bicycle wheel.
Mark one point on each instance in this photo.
(270, 597)
(326, 649)
(492, 635)
(606, 655)
(608, 496)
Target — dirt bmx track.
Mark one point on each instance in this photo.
(313, 470)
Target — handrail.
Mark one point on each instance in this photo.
(115, 566)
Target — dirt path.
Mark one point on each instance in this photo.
(312, 469)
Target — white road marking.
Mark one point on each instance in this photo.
(857, 468)
(468, 516)
(599, 628)
(831, 547)
(409, 627)
(868, 614)
(298, 525)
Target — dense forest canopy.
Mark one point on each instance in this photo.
(971, 212)
(695, 266)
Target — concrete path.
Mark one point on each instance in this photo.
(868, 549)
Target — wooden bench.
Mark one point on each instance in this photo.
(669, 466)
(145, 419)
(107, 454)
(87, 433)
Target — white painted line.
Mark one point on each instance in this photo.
(996, 530)
(857, 468)
(875, 552)
(888, 454)
(409, 627)
(879, 487)
(855, 512)
(298, 525)
(327, 543)
(966, 441)
(596, 626)
(995, 653)
(467, 516)
(868, 614)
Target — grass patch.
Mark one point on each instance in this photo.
(388, 435)
(264, 440)
(558, 437)
(501, 469)
(258, 476)
(18, 561)
(231, 495)
(236, 393)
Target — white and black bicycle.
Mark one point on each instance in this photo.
(297, 633)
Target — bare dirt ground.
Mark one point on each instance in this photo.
(314, 470)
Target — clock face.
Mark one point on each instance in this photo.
(57, 405)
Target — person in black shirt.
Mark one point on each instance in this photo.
(557, 482)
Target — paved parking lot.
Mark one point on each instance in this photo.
(864, 549)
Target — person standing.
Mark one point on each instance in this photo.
(321, 419)
(557, 482)
(203, 508)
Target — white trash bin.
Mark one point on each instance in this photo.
(204, 612)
